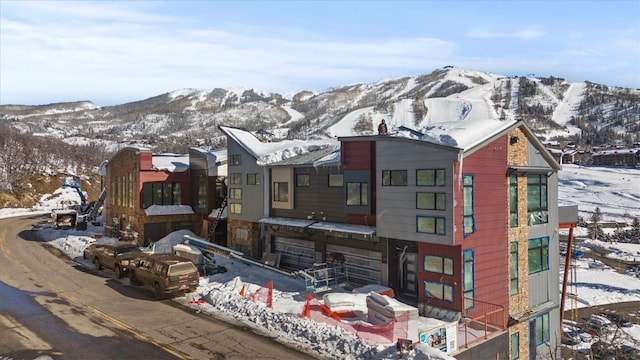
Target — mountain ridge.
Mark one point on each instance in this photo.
(583, 112)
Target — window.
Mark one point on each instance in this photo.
(436, 290)
(336, 180)
(513, 200)
(431, 225)
(357, 194)
(515, 346)
(281, 191)
(235, 194)
(468, 220)
(431, 201)
(235, 208)
(236, 159)
(541, 329)
(394, 177)
(253, 179)
(513, 268)
(538, 255)
(302, 180)
(235, 178)
(537, 208)
(430, 177)
(468, 283)
(161, 193)
(438, 264)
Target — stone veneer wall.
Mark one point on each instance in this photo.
(244, 236)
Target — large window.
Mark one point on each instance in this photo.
(468, 281)
(513, 268)
(235, 208)
(303, 180)
(161, 193)
(438, 264)
(538, 255)
(513, 200)
(235, 194)
(541, 329)
(431, 225)
(253, 179)
(468, 217)
(515, 346)
(281, 191)
(394, 177)
(235, 178)
(439, 291)
(357, 194)
(431, 201)
(336, 180)
(537, 207)
(430, 177)
(236, 159)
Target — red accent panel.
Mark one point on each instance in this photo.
(454, 280)
(358, 155)
(359, 219)
(146, 162)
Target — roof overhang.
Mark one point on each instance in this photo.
(286, 222)
(530, 170)
(532, 312)
(321, 225)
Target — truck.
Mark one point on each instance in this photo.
(116, 257)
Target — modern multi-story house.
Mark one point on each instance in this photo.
(463, 220)
(151, 195)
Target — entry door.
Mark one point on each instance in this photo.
(408, 273)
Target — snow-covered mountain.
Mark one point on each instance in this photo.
(552, 107)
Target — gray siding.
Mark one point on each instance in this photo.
(396, 205)
(318, 198)
(252, 195)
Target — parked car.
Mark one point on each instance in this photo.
(165, 274)
(618, 319)
(91, 249)
(116, 257)
(584, 336)
(570, 337)
(629, 353)
(598, 324)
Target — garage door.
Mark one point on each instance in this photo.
(295, 254)
(363, 266)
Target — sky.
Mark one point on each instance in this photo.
(219, 295)
(117, 52)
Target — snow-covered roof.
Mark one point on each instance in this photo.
(267, 153)
(170, 162)
(168, 210)
(617, 152)
(321, 225)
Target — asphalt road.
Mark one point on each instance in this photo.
(52, 306)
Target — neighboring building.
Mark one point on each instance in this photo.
(151, 195)
(462, 221)
(617, 157)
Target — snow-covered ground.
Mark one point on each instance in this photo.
(615, 191)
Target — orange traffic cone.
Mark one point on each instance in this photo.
(242, 291)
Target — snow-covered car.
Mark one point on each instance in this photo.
(618, 319)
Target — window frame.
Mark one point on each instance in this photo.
(362, 192)
(235, 160)
(333, 183)
(439, 224)
(445, 264)
(468, 288)
(303, 180)
(278, 194)
(430, 177)
(538, 253)
(235, 208)
(445, 290)
(161, 193)
(513, 200)
(543, 329)
(395, 178)
(253, 179)
(468, 206)
(439, 201)
(537, 199)
(235, 193)
(235, 179)
(515, 348)
(514, 276)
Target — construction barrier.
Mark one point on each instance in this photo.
(264, 294)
